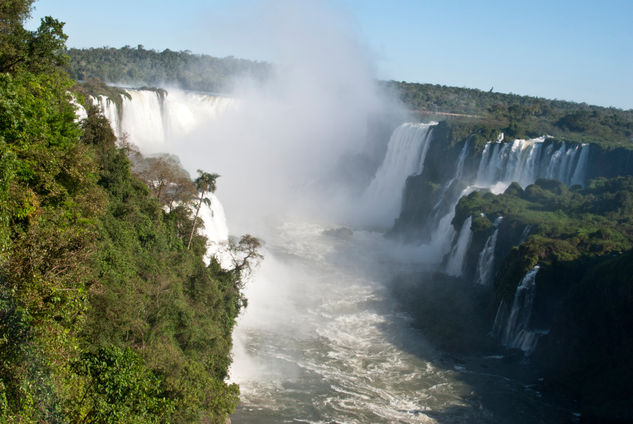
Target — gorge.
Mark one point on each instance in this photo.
(186, 238)
(351, 352)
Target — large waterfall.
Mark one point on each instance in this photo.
(151, 118)
(406, 153)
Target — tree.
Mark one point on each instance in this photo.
(35, 51)
(205, 183)
(169, 183)
(245, 257)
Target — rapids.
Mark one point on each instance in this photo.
(321, 341)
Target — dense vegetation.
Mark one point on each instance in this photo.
(106, 315)
(519, 116)
(564, 223)
(139, 66)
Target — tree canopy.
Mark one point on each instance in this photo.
(105, 314)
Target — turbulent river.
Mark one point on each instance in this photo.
(322, 342)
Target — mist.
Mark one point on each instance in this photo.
(280, 146)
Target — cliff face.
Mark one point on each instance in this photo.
(589, 350)
(609, 162)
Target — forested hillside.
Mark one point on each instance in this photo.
(107, 311)
(519, 116)
(139, 66)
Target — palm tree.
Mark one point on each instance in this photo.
(205, 183)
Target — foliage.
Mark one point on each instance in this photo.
(205, 183)
(168, 182)
(94, 87)
(118, 389)
(36, 51)
(517, 116)
(565, 223)
(105, 316)
(139, 66)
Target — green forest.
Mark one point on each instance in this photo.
(108, 312)
(517, 116)
(138, 66)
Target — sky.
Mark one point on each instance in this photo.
(571, 50)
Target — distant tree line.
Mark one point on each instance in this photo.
(139, 66)
(519, 116)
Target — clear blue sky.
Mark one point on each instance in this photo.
(573, 50)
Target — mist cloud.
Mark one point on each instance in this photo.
(287, 135)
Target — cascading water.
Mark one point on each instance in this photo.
(455, 264)
(524, 161)
(142, 120)
(405, 156)
(485, 264)
(579, 172)
(501, 163)
(512, 327)
(150, 119)
(109, 109)
(216, 231)
(445, 201)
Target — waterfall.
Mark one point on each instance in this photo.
(151, 119)
(109, 109)
(405, 156)
(485, 264)
(80, 111)
(581, 167)
(216, 232)
(142, 120)
(455, 264)
(524, 161)
(513, 331)
(525, 233)
(446, 189)
(508, 162)
(502, 163)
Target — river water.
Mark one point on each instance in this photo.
(322, 342)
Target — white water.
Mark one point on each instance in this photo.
(152, 122)
(485, 264)
(444, 199)
(455, 264)
(109, 109)
(581, 167)
(320, 342)
(216, 231)
(523, 161)
(512, 327)
(405, 156)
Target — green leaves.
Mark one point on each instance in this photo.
(118, 389)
